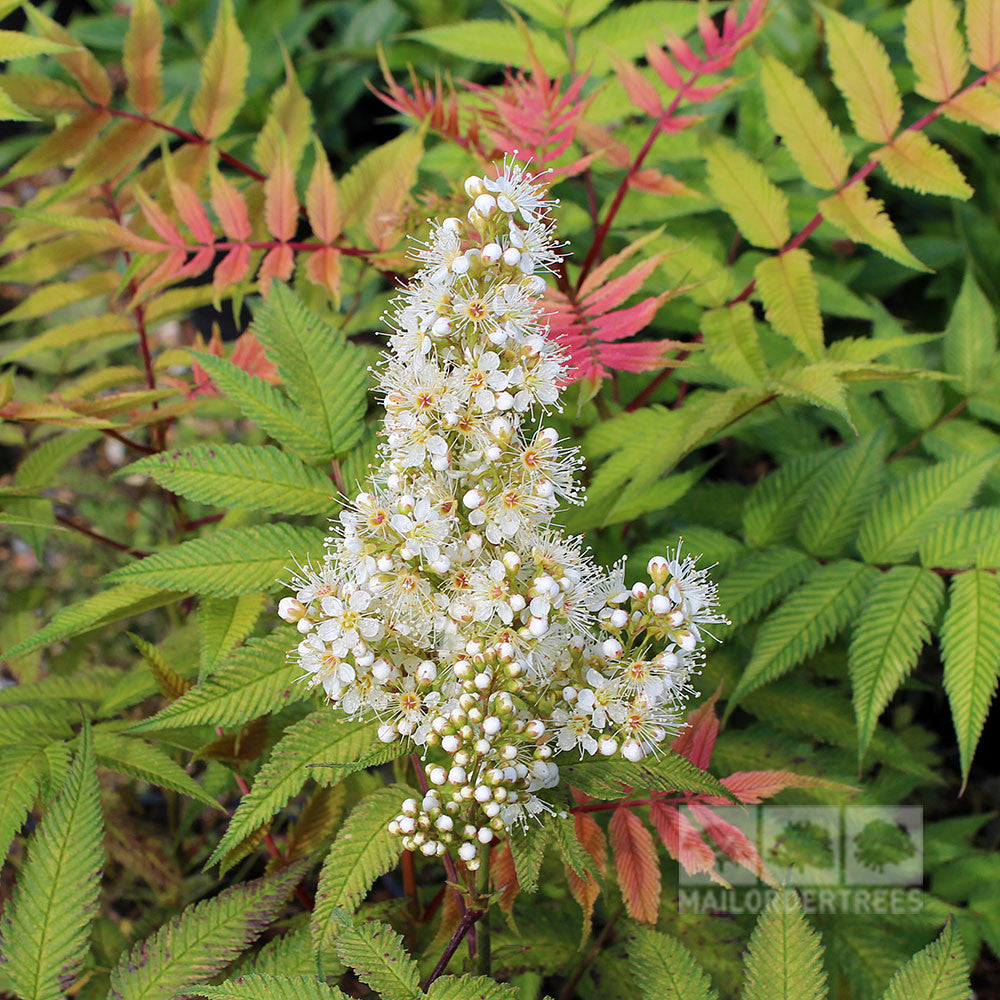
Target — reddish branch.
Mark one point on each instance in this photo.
(859, 175)
(464, 928)
(98, 537)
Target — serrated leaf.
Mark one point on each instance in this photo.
(935, 47)
(970, 339)
(730, 337)
(795, 114)
(982, 26)
(223, 76)
(970, 648)
(241, 477)
(147, 763)
(22, 771)
(266, 406)
(664, 969)
(324, 375)
(323, 199)
(227, 563)
(223, 623)
(45, 928)
(785, 954)
(897, 523)
(325, 737)
(636, 864)
(862, 74)
(918, 404)
(912, 160)
(965, 541)
(841, 493)
(490, 41)
(290, 116)
(254, 680)
(379, 959)
(759, 579)
(863, 219)
(791, 300)
(756, 205)
(892, 627)
(939, 972)
(170, 683)
(471, 988)
(264, 986)
(104, 608)
(771, 511)
(804, 623)
(141, 56)
(527, 848)
(201, 941)
(364, 850)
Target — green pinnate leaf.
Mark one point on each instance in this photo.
(22, 773)
(773, 507)
(323, 373)
(227, 563)
(364, 850)
(240, 477)
(379, 959)
(939, 972)
(894, 623)
(898, 522)
(471, 988)
(266, 986)
(785, 955)
(200, 941)
(964, 541)
(46, 924)
(324, 737)
(759, 579)
(970, 339)
(254, 680)
(223, 623)
(970, 648)
(664, 969)
(145, 762)
(805, 622)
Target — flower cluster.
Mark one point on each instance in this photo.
(447, 605)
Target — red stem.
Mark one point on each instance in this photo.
(861, 173)
(602, 232)
(464, 927)
(98, 537)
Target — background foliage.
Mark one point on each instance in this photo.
(781, 300)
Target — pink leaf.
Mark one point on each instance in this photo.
(732, 841)
(278, 263)
(696, 740)
(664, 67)
(233, 268)
(191, 211)
(615, 292)
(627, 322)
(323, 269)
(231, 209)
(682, 839)
(158, 219)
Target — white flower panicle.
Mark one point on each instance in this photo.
(447, 606)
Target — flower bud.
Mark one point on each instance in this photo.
(290, 609)
(658, 570)
(474, 186)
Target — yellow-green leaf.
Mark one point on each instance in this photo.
(862, 74)
(982, 25)
(223, 76)
(935, 47)
(912, 160)
(791, 300)
(795, 114)
(970, 647)
(77, 61)
(730, 336)
(864, 219)
(756, 205)
(10, 112)
(18, 45)
(290, 115)
(979, 107)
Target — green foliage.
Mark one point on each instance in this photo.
(46, 924)
(798, 397)
(378, 957)
(363, 850)
(201, 941)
